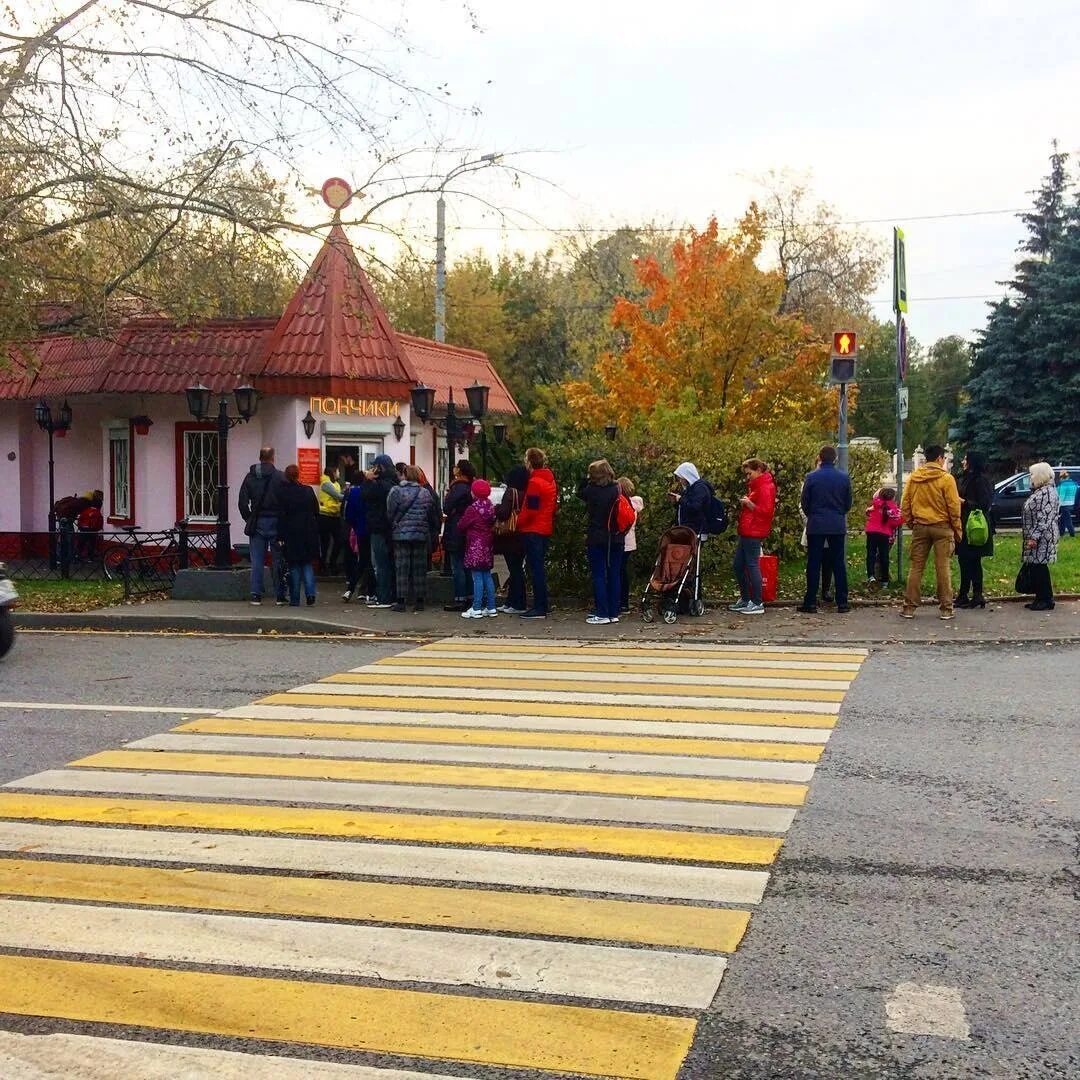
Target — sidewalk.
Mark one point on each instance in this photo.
(1001, 621)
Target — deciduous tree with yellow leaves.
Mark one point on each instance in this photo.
(709, 339)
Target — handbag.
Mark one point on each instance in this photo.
(1025, 578)
(509, 526)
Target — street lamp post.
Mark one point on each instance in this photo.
(440, 238)
(247, 402)
(57, 425)
(423, 404)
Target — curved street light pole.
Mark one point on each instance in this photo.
(440, 239)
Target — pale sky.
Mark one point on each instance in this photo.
(666, 112)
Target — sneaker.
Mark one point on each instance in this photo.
(506, 609)
(376, 604)
(311, 601)
(492, 613)
(256, 601)
(281, 601)
(826, 598)
(842, 609)
(533, 613)
(597, 620)
(614, 618)
(458, 605)
(753, 609)
(398, 607)
(419, 607)
(472, 613)
(738, 606)
(905, 614)
(806, 609)
(947, 616)
(346, 595)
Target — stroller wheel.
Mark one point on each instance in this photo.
(697, 607)
(648, 613)
(669, 615)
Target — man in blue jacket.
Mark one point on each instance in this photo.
(826, 500)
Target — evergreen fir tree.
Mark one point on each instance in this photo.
(1023, 399)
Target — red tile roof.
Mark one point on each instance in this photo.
(334, 338)
(334, 327)
(448, 366)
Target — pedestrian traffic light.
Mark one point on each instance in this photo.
(845, 349)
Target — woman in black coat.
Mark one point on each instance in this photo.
(511, 544)
(976, 493)
(458, 500)
(299, 531)
(603, 542)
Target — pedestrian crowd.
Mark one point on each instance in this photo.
(385, 525)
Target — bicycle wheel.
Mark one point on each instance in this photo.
(112, 561)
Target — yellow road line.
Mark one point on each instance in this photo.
(626, 744)
(680, 925)
(451, 664)
(445, 1027)
(855, 656)
(483, 682)
(584, 781)
(420, 828)
(403, 702)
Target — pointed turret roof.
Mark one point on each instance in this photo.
(335, 329)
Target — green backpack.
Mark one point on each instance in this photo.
(977, 529)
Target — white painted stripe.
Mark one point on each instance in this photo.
(604, 675)
(565, 645)
(915, 1009)
(529, 804)
(693, 665)
(67, 706)
(358, 749)
(326, 714)
(89, 1057)
(391, 690)
(622, 877)
(388, 954)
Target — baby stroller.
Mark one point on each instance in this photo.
(678, 560)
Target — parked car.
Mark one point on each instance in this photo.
(1011, 494)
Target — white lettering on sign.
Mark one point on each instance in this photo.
(336, 406)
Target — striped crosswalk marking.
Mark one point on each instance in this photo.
(495, 854)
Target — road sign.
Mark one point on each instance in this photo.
(903, 402)
(901, 349)
(900, 294)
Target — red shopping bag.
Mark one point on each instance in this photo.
(770, 572)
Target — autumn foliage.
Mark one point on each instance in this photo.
(708, 340)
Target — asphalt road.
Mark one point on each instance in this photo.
(938, 848)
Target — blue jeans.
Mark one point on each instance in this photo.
(606, 566)
(1067, 521)
(536, 549)
(265, 536)
(747, 568)
(483, 590)
(384, 568)
(298, 572)
(462, 586)
(828, 550)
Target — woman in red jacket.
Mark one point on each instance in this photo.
(757, 507)
(536, 523)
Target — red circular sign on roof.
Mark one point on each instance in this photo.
(336, 193)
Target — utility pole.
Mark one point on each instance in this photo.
(440, 268)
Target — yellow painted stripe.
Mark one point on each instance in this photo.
(482, 776)
(680, 925)
(585, 648)
(451, 663)
(447, 1027)
(418, 828)
(589, 711)
(557, 740)
(483, 682)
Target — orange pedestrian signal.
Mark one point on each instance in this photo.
(844, 343)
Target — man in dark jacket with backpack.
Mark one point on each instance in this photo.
(826, 500)
(260, 507)
(378, 482)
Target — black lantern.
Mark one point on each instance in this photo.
(477, 397)
(43, 415)
(500, 433)
(142, 424)
(611, 431)
(423, 400)
(399, 428)
(198, 401)
(247, 401)
(63, 419)
(308, 424)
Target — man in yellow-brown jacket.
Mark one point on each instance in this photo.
(931, 510)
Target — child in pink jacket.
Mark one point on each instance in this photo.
(882, 522)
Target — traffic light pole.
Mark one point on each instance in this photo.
(841, 431)
(899, 453)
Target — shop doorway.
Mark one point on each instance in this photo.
(351, 456)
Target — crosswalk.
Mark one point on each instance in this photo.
(475, 855)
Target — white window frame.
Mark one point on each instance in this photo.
(121, 467)
(201, 434)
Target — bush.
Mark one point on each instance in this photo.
(650, 462)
